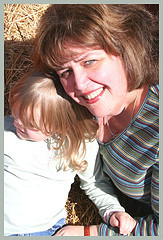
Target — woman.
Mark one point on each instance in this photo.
(107, 59)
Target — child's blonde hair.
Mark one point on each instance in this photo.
(61, 117)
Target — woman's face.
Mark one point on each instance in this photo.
(96, 80)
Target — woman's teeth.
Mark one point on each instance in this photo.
(94, 94)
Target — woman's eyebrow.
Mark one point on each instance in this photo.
(85, 55)
(76, 59)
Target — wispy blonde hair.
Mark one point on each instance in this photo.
(70, 124)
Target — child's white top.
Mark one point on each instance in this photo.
(36, 190)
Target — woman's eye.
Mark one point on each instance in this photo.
(89, 62)
(65, 74)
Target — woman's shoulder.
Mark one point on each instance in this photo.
(155, 89)
(153, 98)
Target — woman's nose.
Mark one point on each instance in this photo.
(80, 79)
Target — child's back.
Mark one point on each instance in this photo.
(36, 189)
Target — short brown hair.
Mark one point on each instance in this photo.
(125, 30)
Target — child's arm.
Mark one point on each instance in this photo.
(99, 189)
(97, 184)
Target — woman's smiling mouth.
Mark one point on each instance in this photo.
(94, 96)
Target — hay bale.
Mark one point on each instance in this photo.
(20, 24)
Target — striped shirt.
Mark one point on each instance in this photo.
(131, 161)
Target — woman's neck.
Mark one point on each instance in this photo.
(111, 127)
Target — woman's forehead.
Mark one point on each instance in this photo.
(75, 53)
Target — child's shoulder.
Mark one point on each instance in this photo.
(9, 123)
